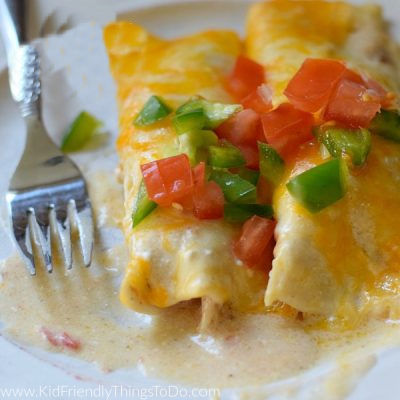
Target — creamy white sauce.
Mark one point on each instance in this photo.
(240, 350)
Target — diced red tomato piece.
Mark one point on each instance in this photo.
(352, 105)
(186, 202)
(376, 87)
(256, 234)
(260, 100)
(286, 128)
(61, 339)
(264, 191)
(353, 76)
(251, 155)
(265, 261)
(199, 174)
(376, 90)
(168, 180)
(208, 201)
(369, 83)
(246, 76)
(243, 128)
(310, 88)
(199, 179)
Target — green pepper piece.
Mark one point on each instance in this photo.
(387, 124)
(189, 144)
(189, 121)
(320, 186)
(356, 143)
(242, 212)
(235, 188)
(154, 110)
(80, 132)
(271, 164)
(225, 156)
(208, 138)
(193, 142)
(250, 175)
(216, 113)
(143, 206)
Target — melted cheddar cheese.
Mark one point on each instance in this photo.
(174, 256)
(341, 262)
(344, 260)
(282, 33)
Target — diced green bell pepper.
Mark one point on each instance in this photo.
(193, 142)
(225, 156)
(387, 124)
(235, 189)
(355, 143)
(143, 206)
(192, 120)
(320, 186)
(242, 212)
(250, 175)
(271, 164)
(82, 129)
(154, 110)
(216, 113)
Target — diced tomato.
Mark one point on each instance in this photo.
(310, 88)
(199, 174)
(376, 90)
(265, 261)
(243, 128)
(260, 100)
(256, 234)
(246, 76)
(199, 179)
(376, 87)
(352, 105)
(168, 180)
(264, 191)
(353, 76)
(208, 201)
(286, 128)
(251, 155)
(61, 339)
(186, 202)
(369, 83)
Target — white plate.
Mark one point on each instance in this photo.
(29, 368)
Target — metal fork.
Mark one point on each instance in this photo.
(47, 197)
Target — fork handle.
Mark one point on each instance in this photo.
(23, 58)
(13, 22)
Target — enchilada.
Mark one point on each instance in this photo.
(343, 260)
(311, 90)
(174, 256)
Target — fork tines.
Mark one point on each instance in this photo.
(47, 197)
(45, 220)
